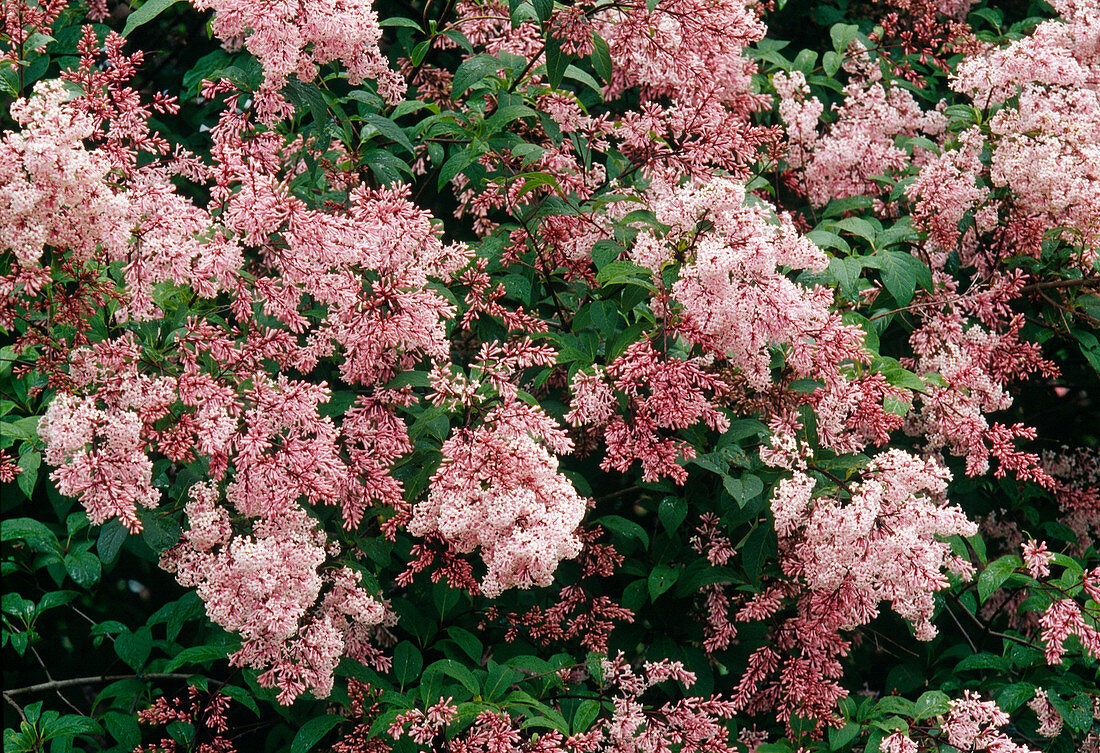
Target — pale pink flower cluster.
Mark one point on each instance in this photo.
(662, 394)
(1037, 558)
(424, 725)
(99, 450)
(884, 544)
(292, 38)
(972, 725)
(844, 160)
(1062, 619)
(1046, 144)
(1050, 721)
(498, 488)
(736, 300)
(686, 49)
(971, 364)
(898, 742)
(266, 586)
(695, 723)
(947, 187)
(799, 112)
(54, 190)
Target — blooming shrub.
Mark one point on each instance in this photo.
(550, 377)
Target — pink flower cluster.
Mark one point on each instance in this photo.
(98, 442)
(293, 38)
(859, 146)
(498, 488)
(55, 191)
(1050, 721)
(662, 394)
(884, 543)
(267, 587)
(973, 725)
(1046, 140)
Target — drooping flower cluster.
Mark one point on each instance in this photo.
(1044, 140)
(498, 488)
(860, 145)
(54, 191)
(974, 725)
(268, 588)
(663, 394)
(735, 300)
(884, 543)
(294, 38)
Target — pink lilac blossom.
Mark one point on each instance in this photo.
(885, 543)
(1062, 619)
(266, 587)
(898, 742)
(294, 38)
(498, 488)
(1050, 721)
(736, 300)
(98, 447)
(54, 191)
(1037, 558)
(859, 145)
(972, 725)
(662, 394)
(1045, 145)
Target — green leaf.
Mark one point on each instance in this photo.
(146, 13)
(470, 644)
(83, 567)
(407, 663)
(36, 534)
(29, 463)
(901, 273)
(838, 738)
(112, 535)
(400, 21)
(500, 678)
(996, 573)
(759, 545)
(160, 532)
(859, 227)
(543, 9)
(1012, 697)
(458, 162)
(831, 61)
(743, 489)
(453, 669)
(661, 578)
(471, 71)
(134, 647)
(556, 62)
(601, 58)
(1090, 348)
(842, 36)
(199, 655)
(70, 725)
(671, 513)
(390, 130)
(23, 428)
(625, 528)
(312, 731)
(586, 713)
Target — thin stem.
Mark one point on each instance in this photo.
(75, 681)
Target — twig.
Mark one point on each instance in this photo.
(1077, 282)
(16, 706)
(55, 684)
